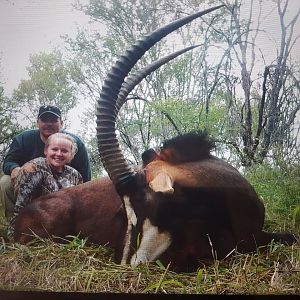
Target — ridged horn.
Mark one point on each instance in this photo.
(134, 79)
(111, 156)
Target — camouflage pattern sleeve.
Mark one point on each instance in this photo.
(28, 183)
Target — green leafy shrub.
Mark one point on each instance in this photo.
(280, 192)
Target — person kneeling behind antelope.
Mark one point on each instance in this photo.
(42, 176)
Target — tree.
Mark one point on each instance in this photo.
(9, 128)
(220, 86)
(142, 119)
(52, 80)
(265, 111)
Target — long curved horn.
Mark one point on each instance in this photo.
(134, 79)
(111, 156)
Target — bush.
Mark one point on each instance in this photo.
(280, 192)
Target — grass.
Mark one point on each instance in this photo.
(47, 266)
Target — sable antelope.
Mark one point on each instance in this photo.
(185, 198)
(186, 205)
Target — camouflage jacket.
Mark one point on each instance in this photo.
(35, 179)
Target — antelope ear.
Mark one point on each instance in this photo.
(162, 182)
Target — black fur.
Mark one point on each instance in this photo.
(148, 156)
(192, 146)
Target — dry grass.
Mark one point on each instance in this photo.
(47, 266)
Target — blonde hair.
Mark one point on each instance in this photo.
(65, 136)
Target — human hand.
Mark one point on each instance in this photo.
(14, 174)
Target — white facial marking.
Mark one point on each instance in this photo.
(162, 182)
(131, 220)
(153, 244)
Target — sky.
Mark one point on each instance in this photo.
(32, 26)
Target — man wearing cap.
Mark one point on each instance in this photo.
(30, 144)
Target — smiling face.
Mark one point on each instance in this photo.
(58, 152)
